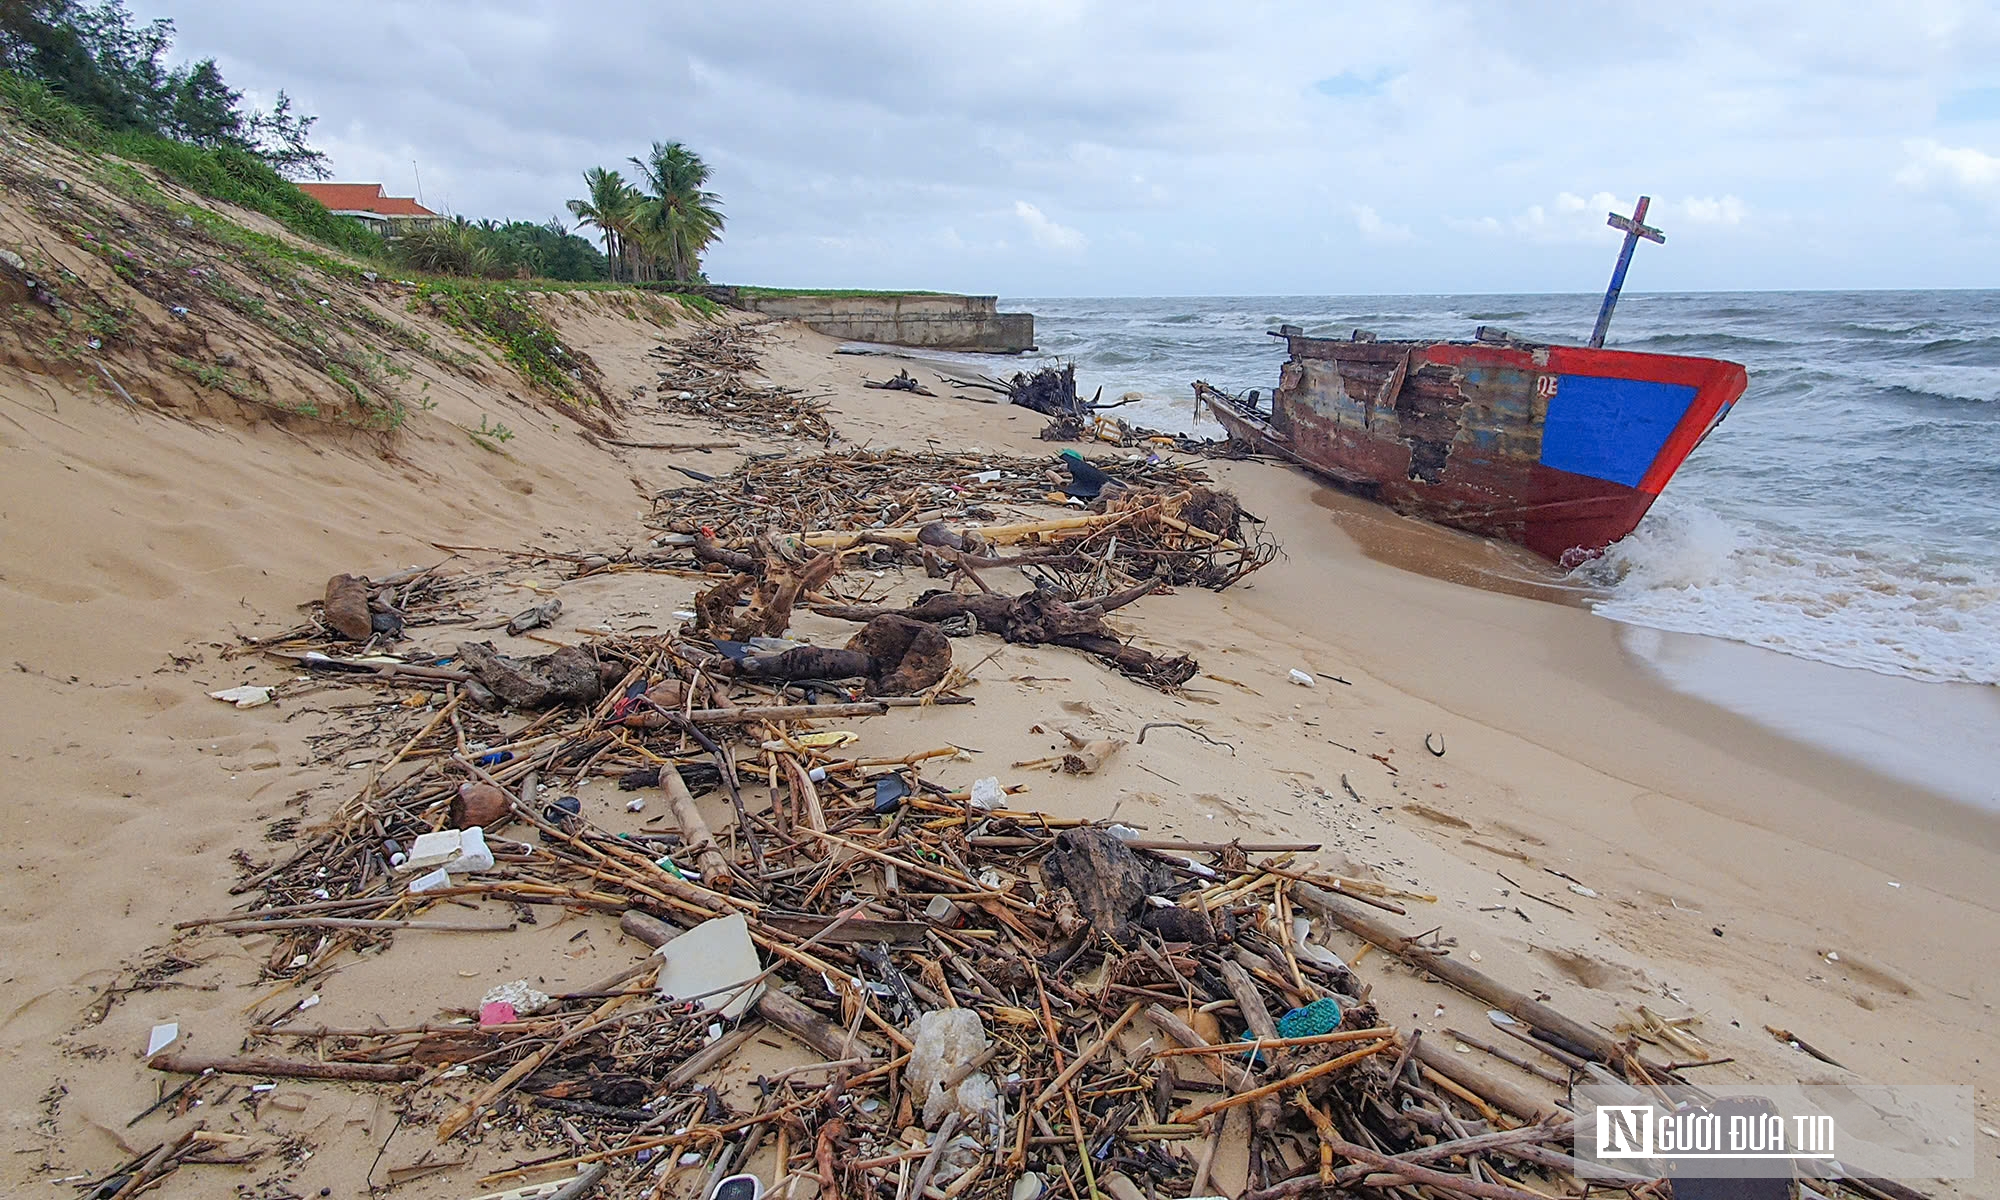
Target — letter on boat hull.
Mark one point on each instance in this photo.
(1561, 449)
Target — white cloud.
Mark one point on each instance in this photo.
(831, 177)
(1708, 210)
(1048, 234)
(1932, 165)
(1374, 228)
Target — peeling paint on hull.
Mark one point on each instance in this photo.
(1561, 449)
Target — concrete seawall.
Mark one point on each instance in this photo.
(929, 321)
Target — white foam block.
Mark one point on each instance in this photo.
(713, 954)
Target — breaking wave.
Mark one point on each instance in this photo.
(1688, 570)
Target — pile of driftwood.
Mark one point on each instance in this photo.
(1154, 520)
(974, 992)
(704, 376)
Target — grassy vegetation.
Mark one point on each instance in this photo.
(224, 173)
(170, 253)
(505, 318)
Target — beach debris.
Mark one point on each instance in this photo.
(1107, 880)
(346, 608)
(1086, 481)
(1151, 725)
(1436, 751)
(568, 676)
(851, 901)
(535, 617)
(707, 376)
(947, 1046)
(713, 965)
(1050, 391)
(901, 381)
(1302, 678)
(245, 695)
(480, 804)
(1040, 618)
(1803, 1046)
(162, 1036)
(457, 851)
(519, 996)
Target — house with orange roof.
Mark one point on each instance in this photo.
(365, 201)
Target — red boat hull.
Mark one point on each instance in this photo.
(1561, 449)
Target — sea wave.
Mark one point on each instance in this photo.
(1687, 569)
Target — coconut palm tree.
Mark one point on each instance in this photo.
(678, 218)
(611, 209)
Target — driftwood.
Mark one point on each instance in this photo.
(898, 657)
(569, 676)
(346, 607)
(695, 833)
(1041, 618)
(285, 1068)
(901, 381)
(1466, 978)
(1050, 391)
(774, 585)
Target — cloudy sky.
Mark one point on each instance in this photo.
(1062, 147)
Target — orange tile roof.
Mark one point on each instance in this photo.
(364, 197)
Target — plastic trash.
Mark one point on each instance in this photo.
(987, 794)
(518, 995)
(738, 1187)
(163, 1035)
(947, 1039)
(702, 964)
(890, 792)
(1301, 678)
(246, 696)
(1321, 1016)
(458, 850)
(435, 881)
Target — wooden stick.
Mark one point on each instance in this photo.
(359, 923)
(1500, 1093)
(708, 857)
(1279, 1043)
(1085, 1056)
(786, 712)
(1272, 1089)
(1466, 978)
(1533, 1068)
(284, 1068)
(1171, 846)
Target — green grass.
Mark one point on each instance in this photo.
(506, 318)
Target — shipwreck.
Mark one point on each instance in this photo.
(1561, 449)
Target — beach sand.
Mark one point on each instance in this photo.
(1726, 860)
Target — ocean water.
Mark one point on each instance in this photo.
(1847, 512)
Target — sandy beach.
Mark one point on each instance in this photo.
(1721, 869)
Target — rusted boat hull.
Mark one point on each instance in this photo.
(1559, 448)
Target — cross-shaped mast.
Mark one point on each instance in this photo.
(1635, 227)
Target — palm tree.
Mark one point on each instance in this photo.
(678, 219)
(610, 209)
